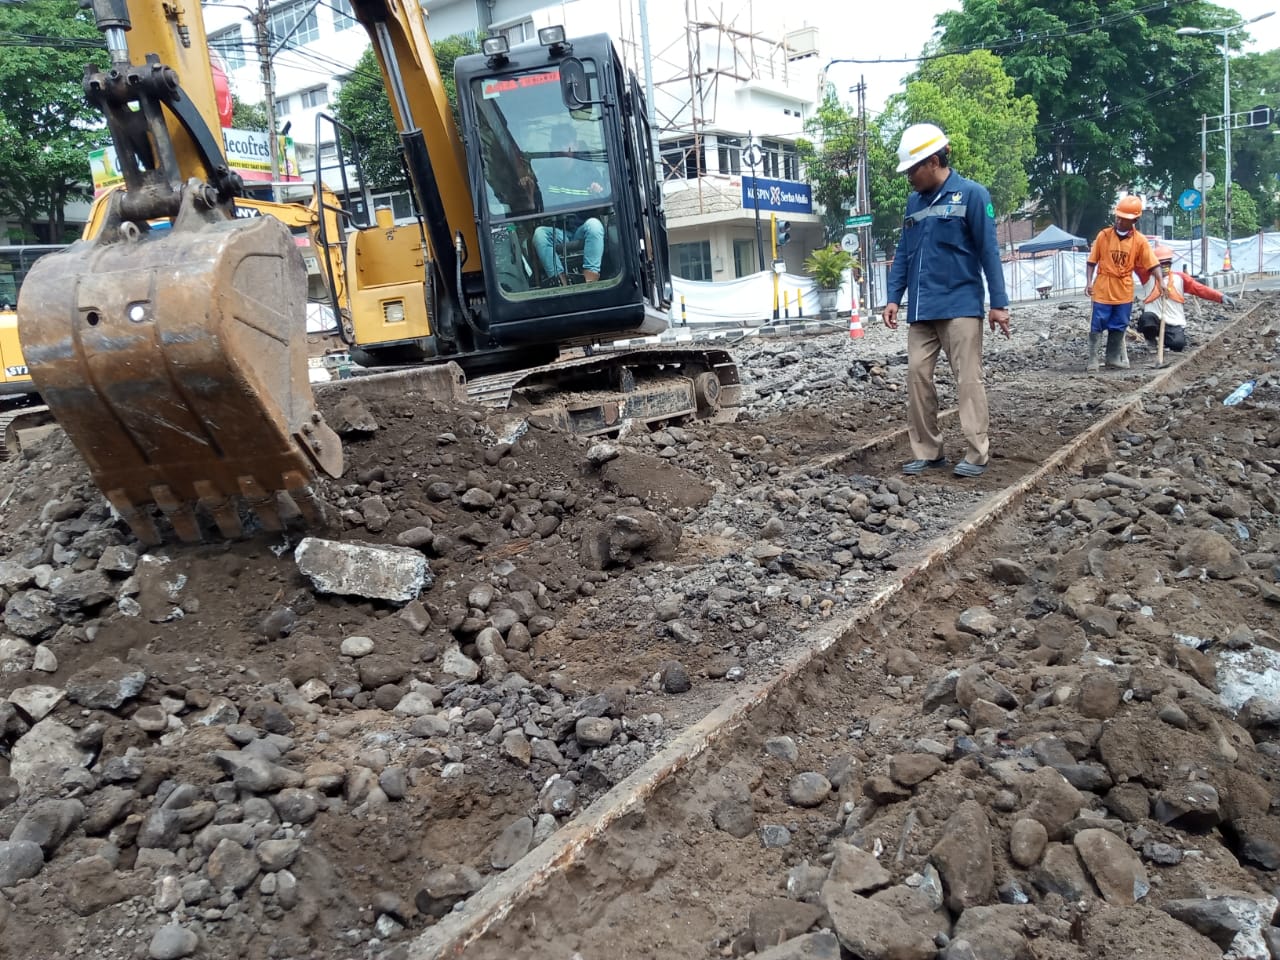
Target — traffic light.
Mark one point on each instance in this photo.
(1260, 116)
(784, 231)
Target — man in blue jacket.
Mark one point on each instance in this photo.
(948, 242)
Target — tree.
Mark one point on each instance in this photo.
(46, 128)
(1244, 212)
(362, 105)
(1120, 91)
(830, 159)
(248, 116)
(991, 130)
(1255, 162)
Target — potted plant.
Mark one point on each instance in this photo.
(827, 266)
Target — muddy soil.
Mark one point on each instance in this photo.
(404, 741)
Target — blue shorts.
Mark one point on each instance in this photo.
(1111, 316)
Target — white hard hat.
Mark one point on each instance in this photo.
(919, 142)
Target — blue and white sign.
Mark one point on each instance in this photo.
(784, 196)
(1189, 200)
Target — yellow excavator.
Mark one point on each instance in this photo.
(175, 359)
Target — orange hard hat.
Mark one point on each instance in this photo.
(1164, 254)
(1129, 207)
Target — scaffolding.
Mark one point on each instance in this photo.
(718, 51)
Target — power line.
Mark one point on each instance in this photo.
(1022, 38)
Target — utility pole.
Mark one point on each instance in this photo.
(863, 200)
(263, 38)
(1204, 195)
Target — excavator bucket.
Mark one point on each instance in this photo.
(175, 360)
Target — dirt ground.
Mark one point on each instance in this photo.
(404, 742)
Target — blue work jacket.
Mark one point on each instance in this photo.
(948, 241)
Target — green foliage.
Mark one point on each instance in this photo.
(991, 130)
(248, 116)
(1244, 212)
(1120, 100)
(830, 159)
(362, 104)
(1255, 161)
(46, 128)
(827, 266)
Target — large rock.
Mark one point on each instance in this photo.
(628, 533)
(1235, 922)
(777, 920)
(1213, 553)
(1050, 799)
(812, 946)
(974, 684)
(1114, 867)
(856, 870)
(45, 752)
(48, 822)
(92, 884)
(106, 685)
(19, 860)
(32, 614)
(872, 930)
(964, 858)
(37, 701)
(376, 572)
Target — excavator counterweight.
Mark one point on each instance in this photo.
(174, 361)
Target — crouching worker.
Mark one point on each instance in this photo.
(1170, 301)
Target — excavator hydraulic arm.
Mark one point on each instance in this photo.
(171, 348)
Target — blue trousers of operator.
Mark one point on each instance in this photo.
(547, 239)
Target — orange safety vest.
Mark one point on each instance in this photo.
(1170, 288)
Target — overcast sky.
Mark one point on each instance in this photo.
(872, 30)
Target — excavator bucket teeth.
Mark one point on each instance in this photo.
(176, 362)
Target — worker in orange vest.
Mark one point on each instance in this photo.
(1170, 300)
(1117, 251)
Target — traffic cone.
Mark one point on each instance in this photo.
(855, 325)
(1226, 260)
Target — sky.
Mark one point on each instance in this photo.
(899, 28)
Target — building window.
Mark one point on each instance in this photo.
(683, 159)
(344, 17)
(315, 97)
(692, 261)
(519, 33)
(746, 258)
(283, 106)
(293, 25)
(400, 203)
(229, 44)
(780, 160)
(730, 154)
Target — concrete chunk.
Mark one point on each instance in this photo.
(364, 570)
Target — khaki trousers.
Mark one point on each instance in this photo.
(961, 338)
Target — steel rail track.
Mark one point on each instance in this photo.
(494, 902)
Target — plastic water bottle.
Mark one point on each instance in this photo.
(1239, 393)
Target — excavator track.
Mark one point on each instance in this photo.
(595, 394)
(17, 421)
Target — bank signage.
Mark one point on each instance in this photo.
(783, 196)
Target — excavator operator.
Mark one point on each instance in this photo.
(569, 181)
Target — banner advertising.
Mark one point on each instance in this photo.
(784, 196)
(247, 154)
